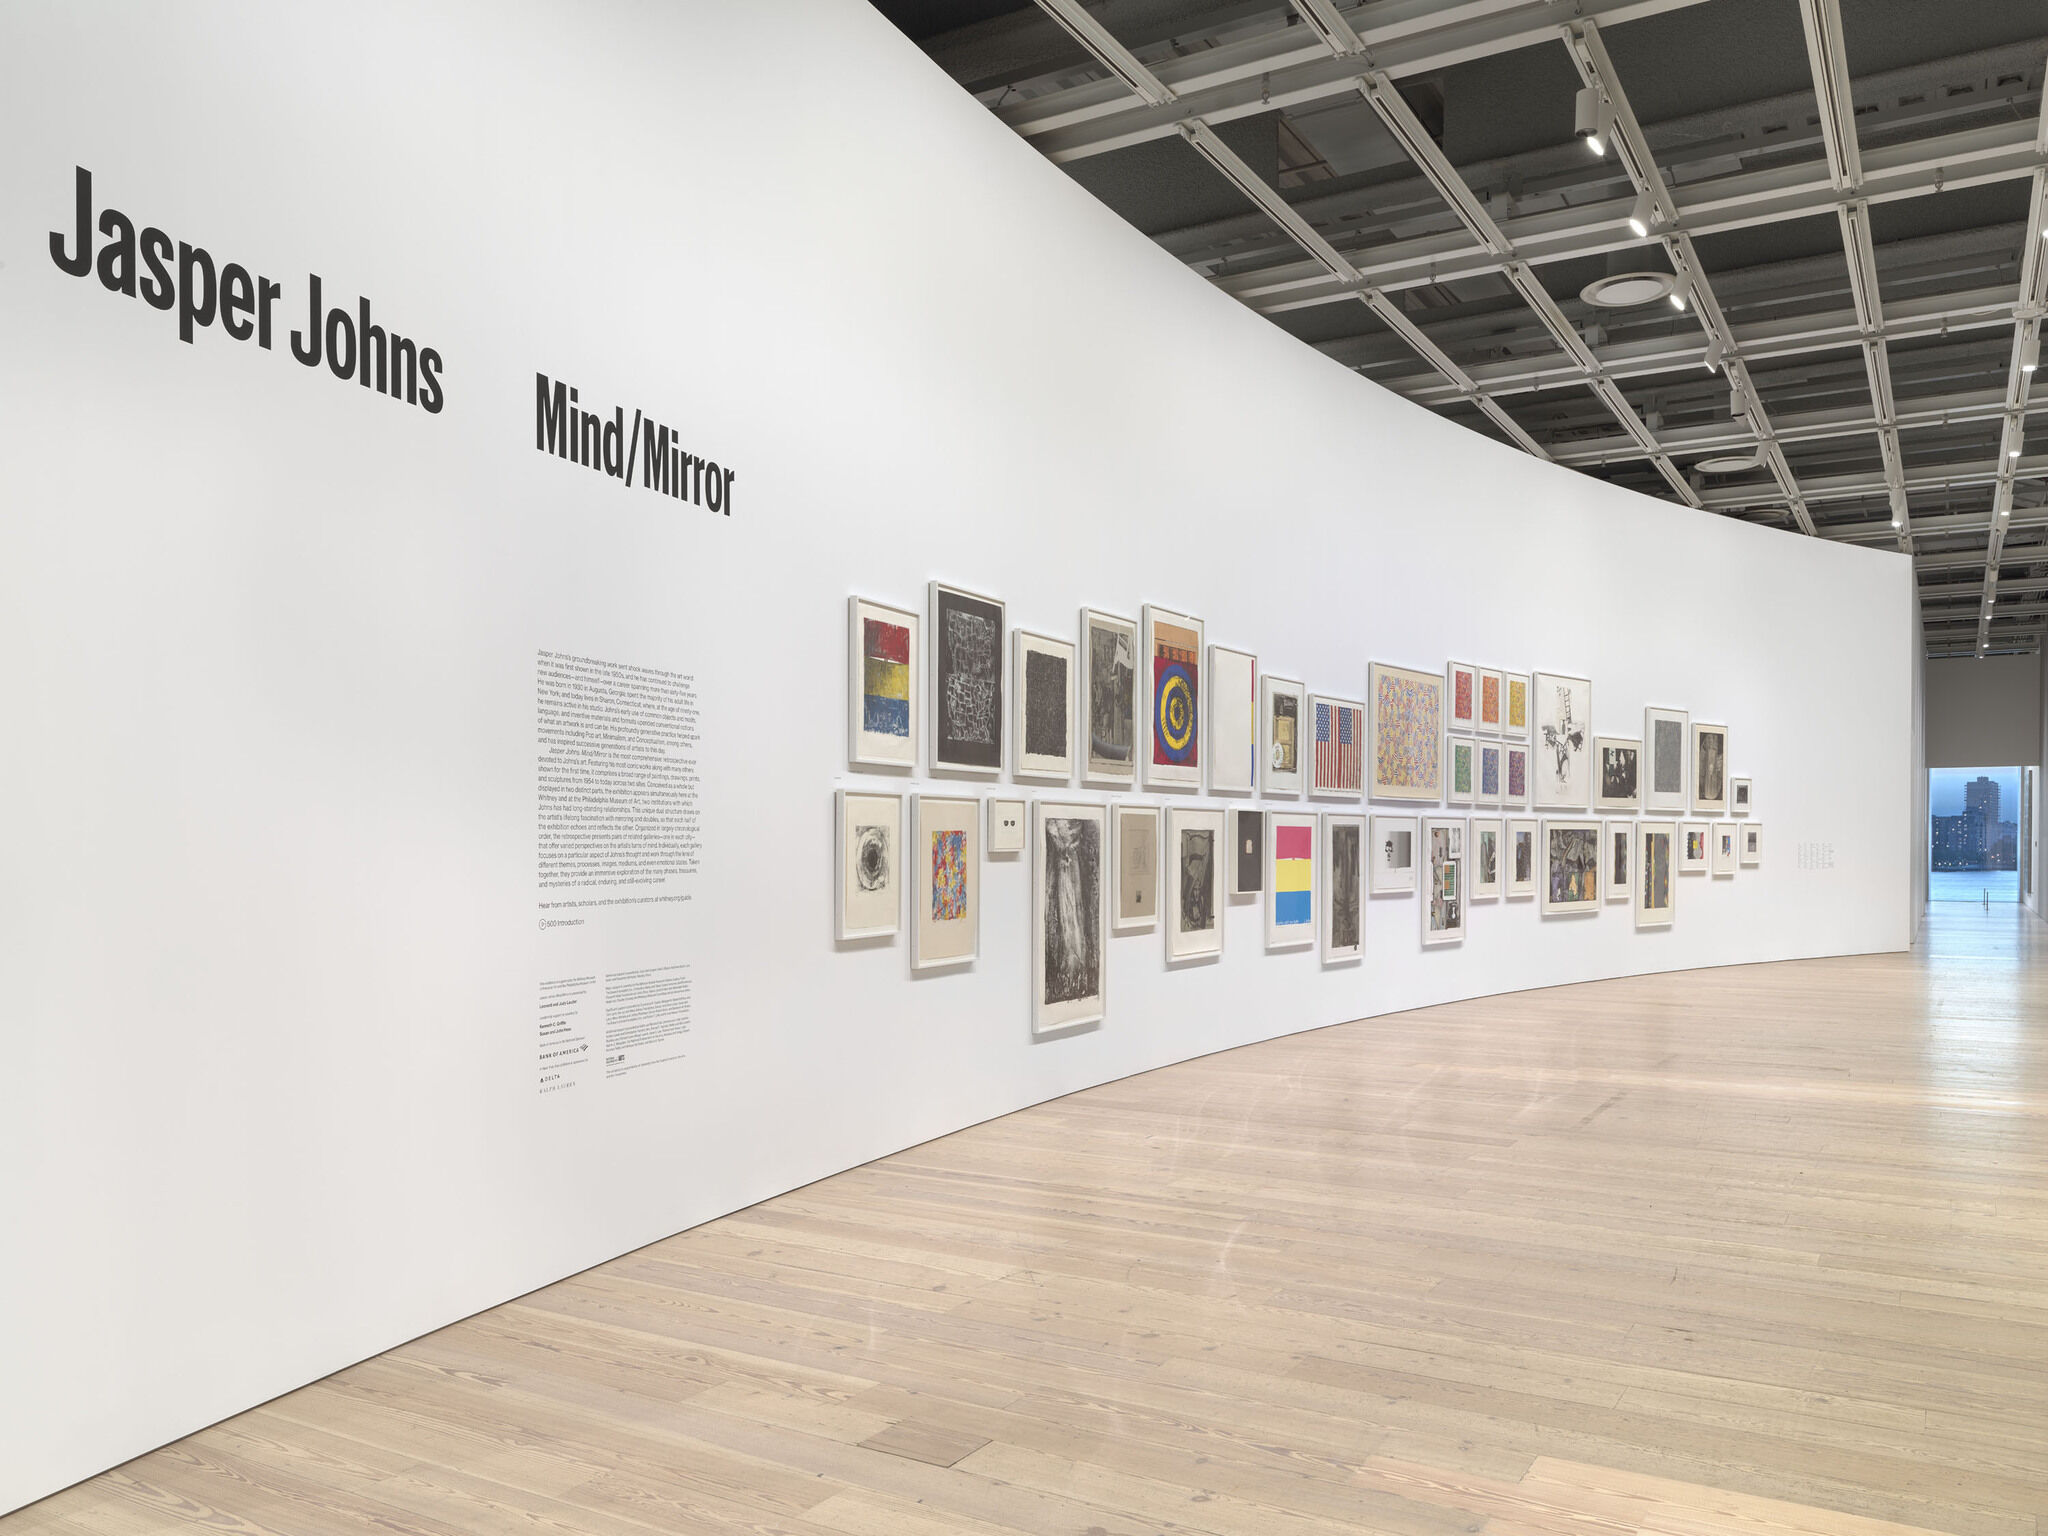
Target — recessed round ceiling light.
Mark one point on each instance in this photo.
(1728, 463)
(1625, 290)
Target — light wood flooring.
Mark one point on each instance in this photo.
(1744, 1251)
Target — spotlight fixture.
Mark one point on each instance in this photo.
(1678, 300)
(1735, 406)
(1642, 216)
(1590, 119)
(1714, 353)
(2030, 353)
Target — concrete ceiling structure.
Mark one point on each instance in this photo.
(1783, 260)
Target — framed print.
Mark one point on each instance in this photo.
(1571, 865)
(1726, 854)
(1461, 695)
(1137, 868)
(1656, 863)
(1492, 704)
(1247, 851)
(1515, 713)
(965, 642)
(1069, 864)
(1337, 739)
(1514, 787)
(1393, 855)
(1486, 878)
(1664, 748)
(1492, 760)
(1045, 707)
(1231, 719)
(1709, 769)
(1522, 870)
(1562, 756)
(1738, 797)
(1108, 680)
(1752, 835)
(945, 880)
(1461, 770)
(1617, 774)
(1343, 926)
(870, 865)
(1280, 712)
(1693, 841)
(1443, 870)
(1194, 883)
(1173, 699)
(1407, 748)
(881, 685)
(1619, 851)
(1290, 879)
(1005, 826)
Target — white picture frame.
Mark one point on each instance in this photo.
(1191, 903)
(1524, 857)
(1231, 720)
(1740, 797)
(1493, 701)
(1656, 896)
(1070, 899)
(1393, 853)
(1341, 929)
(1335, 743)
(1492, 773)
(1461, 697)
(1571, 852)
(1042, 694)
(1514, 773)
(1290, 900)
(1666, 732)
(1486, 845)
(945, 914)
(1405, 739)
(1515, 705)
(1695, 847)
(1752, 833)
(1617, 774)
(1461, 770)
(1283, 703)
(1247, 869)
(882, 690)
(1618, 856)
(1444, 895)
(1171, 663)
(1709, 763)
(868, 866)
(964, 680)
(1008, 825)
(1106, 722)
(1134, 901)
(1561, 750)
(1727, 847)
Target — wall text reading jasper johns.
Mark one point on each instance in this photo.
(171, 275)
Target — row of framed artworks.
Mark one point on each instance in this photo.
(1099, 869)
(1150, 699)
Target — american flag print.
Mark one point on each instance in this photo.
(1340, 756)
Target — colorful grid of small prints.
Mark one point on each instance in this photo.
(1407, 736)
(1291, 876)
(949, 876)
(885, 684)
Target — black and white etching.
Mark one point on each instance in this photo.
(1045, 704)
(871, 858)
(1251, 851)
(1486, 859)
(1197, 879)
(1618, 772)
(1073, 909)
(969, 680)
(1344, 873)
(1525, 858)
(1564, 740)
(1617, 874)
(1667, 757)
(1112, 700)
(1708, 772)
(1397, 849)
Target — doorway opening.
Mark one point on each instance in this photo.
(1973, 834)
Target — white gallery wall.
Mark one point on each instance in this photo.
(270, 914)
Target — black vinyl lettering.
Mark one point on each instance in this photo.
(195, 276)
(237, 297)
(306, 344)
(81, 263)
(117, 256)
(156, 284)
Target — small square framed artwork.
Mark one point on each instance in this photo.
(1738, 797)
(1617, 773)
(1695, 841)
(1726, 854)
(1752, 844)
(1005, 826)
(1393, 855)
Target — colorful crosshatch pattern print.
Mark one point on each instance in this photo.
(885, 682)
(1176, 685)
(1489, 699)
(1407, 735)
(1292, 886)
(949, 876)
(1461, 769)
(1489, 773)
(1518, 773)
(1518, 704)
(1461, 701)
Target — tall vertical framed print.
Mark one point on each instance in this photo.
(945, 880)
(1406, 749)
(1514, 773)
(1337, 742)
(1281, 703)
(1393, 855)
(1231, 719)
(1617, 774)
(1738, 798)
(1563, 749)
(1443, 870)
(1109, 699)
(1492, 702)
(1492, 773)
(1524, 868)
(1290, 879)
(1619, 851)
(1752, 833)
(1709, 769)
(1247, 850)
(1044, 689)
(1694, 838)
(1514, 718)
(1726, 854)
(965, 641)
(881, 695)
(1461, 697)
(1069, 906)
(1173, 699)
(1343, 926)
(1461, 770)
(1571, 866)
(1665, 734)
(1656, 864)
(870, 838)
(1194, 883)
(1486, 846)
(1137, 868)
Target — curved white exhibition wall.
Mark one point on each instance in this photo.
(277, 961)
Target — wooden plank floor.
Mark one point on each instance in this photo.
(1753, 1250)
